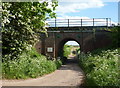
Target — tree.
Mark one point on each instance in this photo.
(21, 24)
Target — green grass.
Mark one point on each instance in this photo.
(101, 67)
(67, 50)
(29, 65)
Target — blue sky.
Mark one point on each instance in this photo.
(77, 9)
(110, 10)
(98, 9)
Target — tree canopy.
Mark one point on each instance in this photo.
(21, 24)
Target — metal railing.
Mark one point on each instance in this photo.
(79, 22)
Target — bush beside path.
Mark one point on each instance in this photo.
(68, 75)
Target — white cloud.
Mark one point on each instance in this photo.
(87, 0)
(76, 5)
(72, 17)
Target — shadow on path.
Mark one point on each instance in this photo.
(72, 59)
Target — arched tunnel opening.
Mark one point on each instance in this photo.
(69, 49)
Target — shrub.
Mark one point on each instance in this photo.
(58, 63)
(29, 65)
(101, 68)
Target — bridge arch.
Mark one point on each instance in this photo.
(63, 42)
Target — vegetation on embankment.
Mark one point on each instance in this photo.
(29, 65)
(101, 66)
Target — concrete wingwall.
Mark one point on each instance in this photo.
(52, 45)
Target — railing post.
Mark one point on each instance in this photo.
(81, 22)
(55, 23)
(68, 22)
(93, 22)
(106, 21)
(110, 21)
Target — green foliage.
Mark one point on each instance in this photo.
(115, 35)
(78, 51)
(101, 68)
(67, 50)
(29, 65)
(58, 63)
(21, 24)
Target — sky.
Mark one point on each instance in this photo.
(87, 9)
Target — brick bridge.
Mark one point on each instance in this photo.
(88, 37)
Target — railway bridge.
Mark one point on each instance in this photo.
(90, 34)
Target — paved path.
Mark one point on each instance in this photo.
(68, 75)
